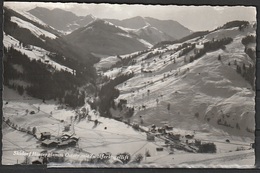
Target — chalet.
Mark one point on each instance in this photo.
(161, 130)
(159, 149)
(252, 145)
(75, 138)
(167, 127)
(174, 136)
(28, 47)
(67, 127)
(63, 144)
(189, 136)
(123, 101)
(72, 143)
(150, 137)
(68, 143)
(198, 47)
(65, 137)
(49, 143)
(45, 135)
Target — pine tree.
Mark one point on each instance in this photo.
(219, 57)
(238, 69)
(34, 130)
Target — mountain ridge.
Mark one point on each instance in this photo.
(72, 21)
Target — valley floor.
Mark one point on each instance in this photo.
(108, 136)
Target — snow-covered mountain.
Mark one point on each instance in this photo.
(152, 34)
(68, 22)
(102, 37)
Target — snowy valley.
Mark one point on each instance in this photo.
(111, 96)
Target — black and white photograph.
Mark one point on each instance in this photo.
(128, 85)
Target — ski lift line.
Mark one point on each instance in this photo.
(8, 159)
(109, 138)
(89, 147)
(110, 133)
(15, 160)
(140, 148)
(49, 129)
(112, 143)
(14, 144)
(115, 142)
(160, 158)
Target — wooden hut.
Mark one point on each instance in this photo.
(150, 137)
(45, 135)
(49, 143)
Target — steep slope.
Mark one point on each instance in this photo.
(180, 85)
(32, 31)
(37, 61)
(101, 37)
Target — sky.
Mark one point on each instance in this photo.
(196, 18)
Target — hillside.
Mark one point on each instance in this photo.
(194, 85)
(37, 60)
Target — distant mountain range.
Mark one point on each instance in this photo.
(68, 21)
(60, 19)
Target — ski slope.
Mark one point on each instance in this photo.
(206, 86)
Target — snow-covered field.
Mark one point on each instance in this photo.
(109, 136)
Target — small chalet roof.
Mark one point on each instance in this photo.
(64, 143)
(48, 142)
(66, 134)
(46, 133)
(75, 137)
(68, 142)
(199, 46)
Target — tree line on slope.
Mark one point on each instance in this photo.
(44, 81)
(107, 93)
